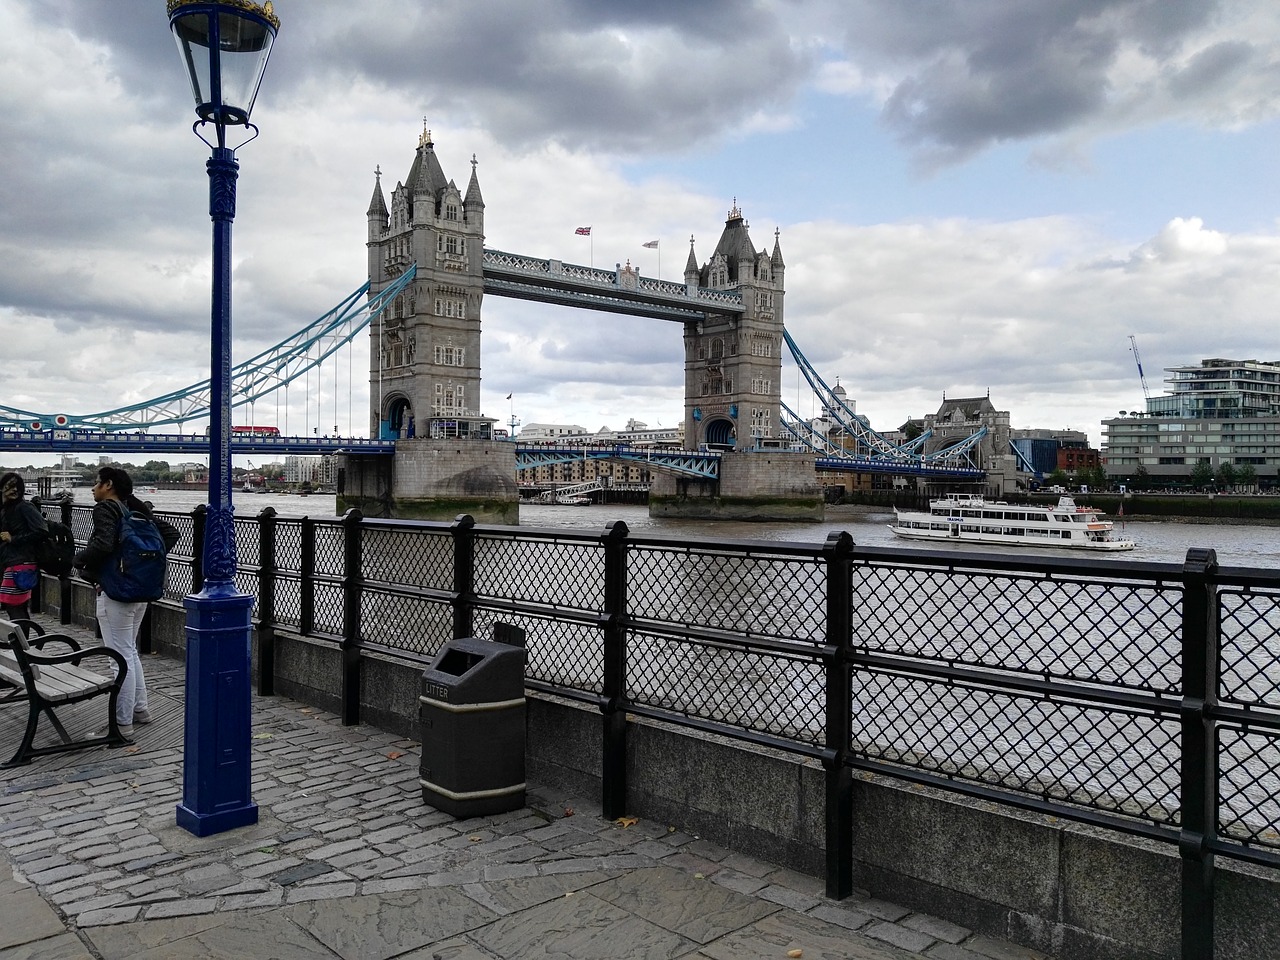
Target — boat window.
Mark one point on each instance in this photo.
(1064, 519)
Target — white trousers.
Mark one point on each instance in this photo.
(120, 623)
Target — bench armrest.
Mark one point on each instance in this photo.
(37, 643)
(75, 656)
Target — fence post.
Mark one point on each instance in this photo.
(1200, 649)
(613, 704)
(64, 583)
(267, 602)
(837, 555)
(307, 577)
(198, 516)
(464, 575)
(36, 603)
(352, 584)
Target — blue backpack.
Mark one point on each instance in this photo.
(135, 570)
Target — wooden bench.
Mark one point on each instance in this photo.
(48, 681)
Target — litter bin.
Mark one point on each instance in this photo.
(471, 713)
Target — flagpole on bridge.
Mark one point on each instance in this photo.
(656, 245)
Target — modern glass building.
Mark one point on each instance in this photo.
(1220, 412)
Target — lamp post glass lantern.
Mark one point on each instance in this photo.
(224, 48)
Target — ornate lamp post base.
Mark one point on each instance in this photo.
(217, 773)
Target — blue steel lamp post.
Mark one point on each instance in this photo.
(224, 47)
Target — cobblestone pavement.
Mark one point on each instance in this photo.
(348, 862)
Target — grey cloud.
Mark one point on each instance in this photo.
(619, 77)
(594, 76)
(977, 73)
(1211, 68)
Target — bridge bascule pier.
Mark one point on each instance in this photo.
(425, 362)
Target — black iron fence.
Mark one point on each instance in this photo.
(1140, 697)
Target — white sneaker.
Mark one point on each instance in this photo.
(142, 716)
(126, 729)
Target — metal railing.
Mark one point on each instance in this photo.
(1139, 697)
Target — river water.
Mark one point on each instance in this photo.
(1237, 545)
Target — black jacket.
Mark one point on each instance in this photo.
(26, 525)
(106, 534)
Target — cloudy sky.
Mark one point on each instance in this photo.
(971, 196)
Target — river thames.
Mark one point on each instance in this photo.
(1238, 544)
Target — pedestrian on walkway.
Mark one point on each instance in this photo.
(22, 526)
(119, 620)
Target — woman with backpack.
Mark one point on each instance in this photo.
(22, 526)
(105, 558)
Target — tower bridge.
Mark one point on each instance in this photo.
(431, 453)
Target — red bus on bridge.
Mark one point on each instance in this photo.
(251, 431)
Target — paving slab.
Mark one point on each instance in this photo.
(65, 946)
(385, 925)
(27, 917)
(696, 909)
(579, 926)
(513, 895)
(236, 936)
(778, 934)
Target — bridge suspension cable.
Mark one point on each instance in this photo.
(867, 443)
(251, 379)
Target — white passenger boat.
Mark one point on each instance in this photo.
(970, 518)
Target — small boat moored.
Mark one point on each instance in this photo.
(971, 518)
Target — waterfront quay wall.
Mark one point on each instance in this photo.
(824, 708)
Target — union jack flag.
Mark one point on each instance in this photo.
(583, 231)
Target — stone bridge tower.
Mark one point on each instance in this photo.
(733, 363)
(733, 391)
(424, 358)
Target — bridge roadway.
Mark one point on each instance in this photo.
(196, 444)
(704, 464)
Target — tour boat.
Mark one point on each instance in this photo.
(970, 518)
(574, 501)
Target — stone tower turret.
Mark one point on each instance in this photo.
(424, 369)
(378, 223)
(733, 363)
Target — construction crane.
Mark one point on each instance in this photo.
(1137, 358)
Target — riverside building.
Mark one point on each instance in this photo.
(1220, 412)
